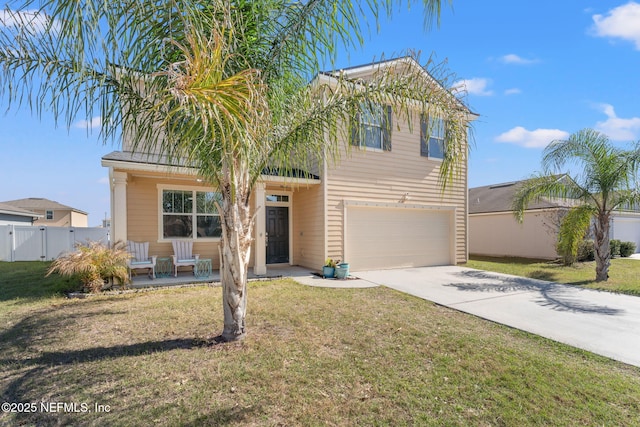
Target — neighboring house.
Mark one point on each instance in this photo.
(494, 230)
(380, 207)
(11, 215)
(52, 213)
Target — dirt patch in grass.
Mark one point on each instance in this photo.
(313, 356)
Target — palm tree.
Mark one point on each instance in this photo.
(221, 85)
(606, 181)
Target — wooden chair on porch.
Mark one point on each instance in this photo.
(140, 258)
(183, 256)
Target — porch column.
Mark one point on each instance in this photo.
(260, 266)
(118, 207)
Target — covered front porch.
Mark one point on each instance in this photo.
(188, 278)
(288, 227)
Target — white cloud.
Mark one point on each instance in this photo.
(474, 86)
(513, 91)
(616, 128)
(512, 58)
(620, 22)
(538, 138)
(31, 21)
(94, 123)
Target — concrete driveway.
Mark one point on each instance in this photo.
(600, 322)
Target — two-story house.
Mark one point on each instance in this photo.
(51, 213)
(380, 206)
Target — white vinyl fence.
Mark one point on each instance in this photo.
(36, 243)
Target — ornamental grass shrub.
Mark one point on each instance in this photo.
(94, 263)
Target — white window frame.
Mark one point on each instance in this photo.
(433, 123)
(194, 213)
(378, 113)
(49, 217)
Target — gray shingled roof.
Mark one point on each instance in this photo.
(499, 197)
(150, 159)
(154, 159)
(40, 203)
(12, 210)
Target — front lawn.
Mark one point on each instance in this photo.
(624, 273)
(313, 356)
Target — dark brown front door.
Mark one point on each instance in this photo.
(277, 234)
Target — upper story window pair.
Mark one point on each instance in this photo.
(373, 131)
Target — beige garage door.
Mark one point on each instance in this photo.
(392, 237)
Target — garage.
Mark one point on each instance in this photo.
(385, 237)
(626, 228)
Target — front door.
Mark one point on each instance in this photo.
(277, 234)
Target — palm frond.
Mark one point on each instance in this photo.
(533, 190)
(573, 229)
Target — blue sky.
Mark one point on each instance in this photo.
(534, 70)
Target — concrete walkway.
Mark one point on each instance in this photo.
(601, 322)
(604, 323)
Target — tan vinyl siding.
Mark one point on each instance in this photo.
(384, 177)
(62, 218)
(79, 219)
(499, 234)
(308, 229)
(143, 216)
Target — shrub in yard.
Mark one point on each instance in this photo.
(627, 248)
(94, 263)
(614, 247)
(586, 251)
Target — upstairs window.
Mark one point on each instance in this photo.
(373, 128)
(49, 215)
(432, 134)
(190, 214)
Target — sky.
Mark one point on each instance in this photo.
(534, 71)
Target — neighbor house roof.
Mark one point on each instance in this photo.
(499, 198)
(39, 203)
(12, 210)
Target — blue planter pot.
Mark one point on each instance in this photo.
(328, 272)
(342, 270)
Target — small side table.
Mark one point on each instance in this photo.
(203, 268)
(164, 267)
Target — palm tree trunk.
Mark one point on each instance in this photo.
(235, 251)
(602, 250)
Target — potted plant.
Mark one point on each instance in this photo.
(329, 268)
(342, 270)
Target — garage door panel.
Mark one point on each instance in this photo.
(627, 229)
(396, 237)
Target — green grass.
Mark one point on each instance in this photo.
(624, 273)
(313, 356)
(24, 282)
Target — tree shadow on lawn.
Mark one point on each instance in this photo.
(30, 372)
(554, 295)
(57, 376)
(550, 276)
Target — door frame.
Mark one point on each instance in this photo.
(284, 204)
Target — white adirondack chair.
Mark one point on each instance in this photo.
(140, 258)
(183, 256)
